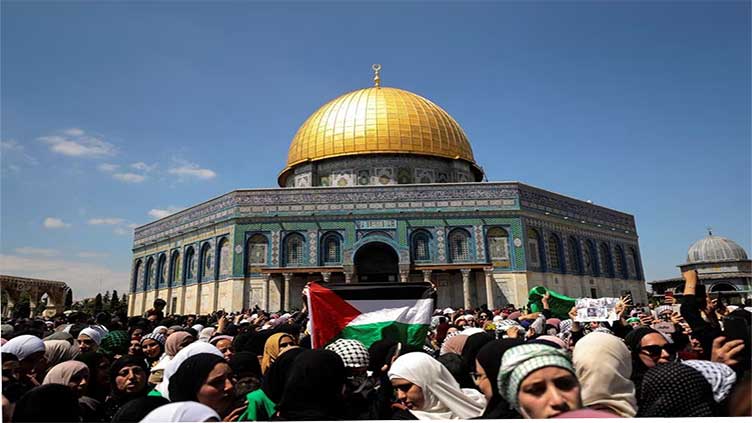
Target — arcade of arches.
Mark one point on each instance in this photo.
(13, 287)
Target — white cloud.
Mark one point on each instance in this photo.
(160, 213)
(74, 132)
(121, 231)
(75, 143)
(133, 178)
(55, 223)
(133, 225)
(86, 279)
(143, 167)
(108, 167)
(184, 169)
(92, 254)
(106, 221)
(32, 251)
(12, 148)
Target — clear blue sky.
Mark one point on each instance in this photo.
(115, 113)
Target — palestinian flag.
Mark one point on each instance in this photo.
(369, 312)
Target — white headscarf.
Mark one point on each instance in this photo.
(23, 346)
(160, 329)
(603, 365)
(720, 376)
(206, 334)
(172, 366)
(93, 334)
(185, 411)
(444, 399)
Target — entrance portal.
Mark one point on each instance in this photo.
(376, 262)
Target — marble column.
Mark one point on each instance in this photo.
(466, 287)
(286, 296)
(489, 288)
(265, 292)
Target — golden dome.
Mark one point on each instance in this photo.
(378, 120)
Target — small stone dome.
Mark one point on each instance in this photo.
(715, 248)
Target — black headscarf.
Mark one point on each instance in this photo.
(245, 363)
(381, 353)
(633, 340)
(191, 375)
(456, 366)
(473, 344)
(125, 361)
(276, 377)
(314, 387)
(135, 410)
(675, 390)
(48, 403)
(489, 358)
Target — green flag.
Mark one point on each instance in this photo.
(559, 304)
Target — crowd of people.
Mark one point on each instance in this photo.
(683, 359)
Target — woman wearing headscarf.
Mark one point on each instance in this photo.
(274, 344)
(128, 378)
(186, 411)
(675, 390)
(648, 348)
(99, 374)
(603, 366)
(57, 351)
(473, 344)
(207, 379)
(313, 390)
(224, 344)
(176, 342)
(152, 345)
(487, 364)
(430, 392)
(262, 402)
(539, 381)
(73, 374)
(31, 362)
(172, 367)
(720, 377)
(453, 344)
(88, 340)
(48, 403)
(456, 366)
(115, 344)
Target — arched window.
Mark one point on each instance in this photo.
(420, 247)
(554, 253)
(175, 268)
(162, 270)
(459, 245)
(224, 257)
(138, 276)
(257, 251)
(574, 255)
(207, 265)
(619, 262)
(294, 250)
(149, 274)
(331, 249)
(533, 248)
(607, 268)
(498, 244)
(190, 263)
(589, 258)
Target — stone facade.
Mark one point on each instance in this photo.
(480, 243)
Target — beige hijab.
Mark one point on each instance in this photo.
(603, 365)
(57, 352)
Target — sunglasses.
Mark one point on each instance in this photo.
(286, 344)
(404, 387)
(654, 351)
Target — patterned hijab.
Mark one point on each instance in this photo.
(603, 365)
(353, 353)
(675, 390)
(720, 376)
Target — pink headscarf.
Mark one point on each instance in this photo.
(453, 345)
(63, 372)
(172, 345)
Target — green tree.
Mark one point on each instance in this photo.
(106, 300)
(68, 299)
(114, 302)
(98, 303)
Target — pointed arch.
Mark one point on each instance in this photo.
(257, 252)
(420, 245)
(149, 274)
(161, 273)
(590, 258)
(459, 246)
(575, 259)
(189, 267)
(294, 250)
(331, 248)
(554, 253)
(206, 263)
(607, 265)
(497, 240)
(620, 267)
(138, 276)
(174, 268)
(224, 257)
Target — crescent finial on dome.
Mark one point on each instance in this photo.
(376, 77)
